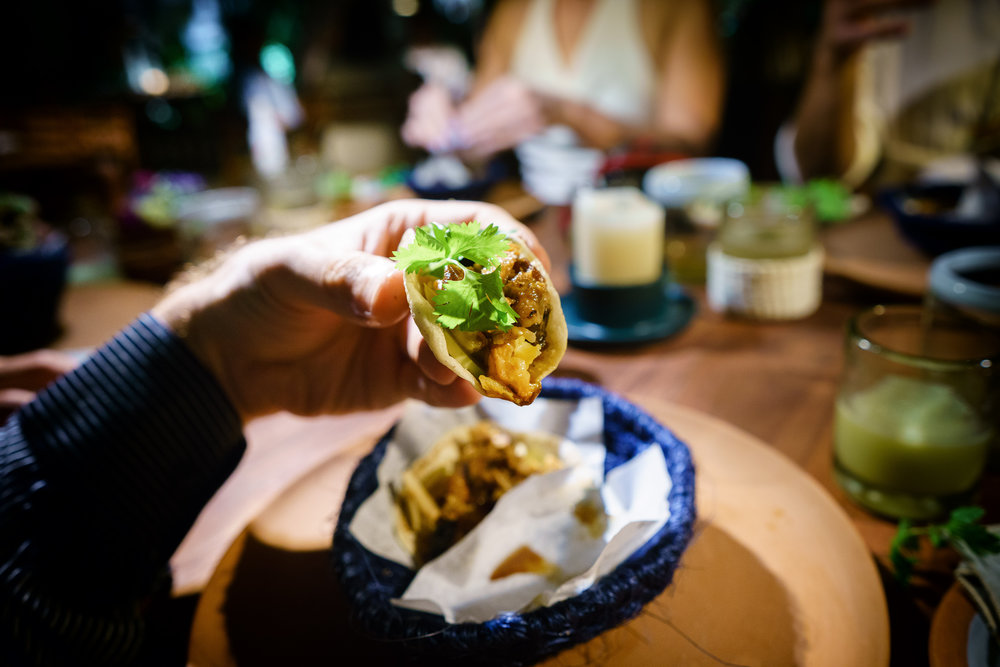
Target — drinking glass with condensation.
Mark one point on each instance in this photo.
(916, 411)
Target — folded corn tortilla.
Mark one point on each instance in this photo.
(447, 346)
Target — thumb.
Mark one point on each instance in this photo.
(365, 288)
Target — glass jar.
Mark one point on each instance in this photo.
(766, 261)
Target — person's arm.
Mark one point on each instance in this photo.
(825, 130)
(104, 472)
(495, 49)
(692, 79)
(100, 478)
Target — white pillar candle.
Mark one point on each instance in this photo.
(617, 237)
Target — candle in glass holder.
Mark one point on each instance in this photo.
(617, 238)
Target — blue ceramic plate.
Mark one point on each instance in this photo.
(370, 582)
(672, 315)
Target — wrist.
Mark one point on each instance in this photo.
(181, 312)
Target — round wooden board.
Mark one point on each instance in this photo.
(776, 575)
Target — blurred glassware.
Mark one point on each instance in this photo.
(616, 237)
(554, 166)
(361, 147)
(148, 241)
(212, 220)
(620, 293)
(91, 239)
(766, 261)
(915, 413)
(964, 287)
(694, 193)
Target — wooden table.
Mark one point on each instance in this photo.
(774, 381)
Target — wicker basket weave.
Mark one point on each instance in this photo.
(370, 582)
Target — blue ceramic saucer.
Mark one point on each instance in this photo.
(667, 317)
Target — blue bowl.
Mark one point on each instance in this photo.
(473, 190)
(925, 216)
(370, 582)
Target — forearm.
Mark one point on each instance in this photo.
(102, 476)
(824, 142)
(601, 131)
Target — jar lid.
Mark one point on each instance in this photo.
(968, 277)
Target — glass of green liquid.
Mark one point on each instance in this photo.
(916, 412)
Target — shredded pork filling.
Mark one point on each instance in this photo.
(507, 356)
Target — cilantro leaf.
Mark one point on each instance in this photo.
(961, 531)
(474, 302)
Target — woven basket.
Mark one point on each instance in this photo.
(370, 582)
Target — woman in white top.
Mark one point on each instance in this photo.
(565, 80)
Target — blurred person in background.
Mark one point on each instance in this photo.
(564, 81)
(898, 88)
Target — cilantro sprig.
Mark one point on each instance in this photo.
(475, 302)
(962, 531)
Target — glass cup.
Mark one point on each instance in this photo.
(916, 412)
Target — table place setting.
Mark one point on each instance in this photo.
(621, 291)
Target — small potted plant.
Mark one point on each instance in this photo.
(34, 260)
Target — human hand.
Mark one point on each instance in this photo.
(850, 24)
(318, 322)
(430, 119)
(502, 115)
(22, 375)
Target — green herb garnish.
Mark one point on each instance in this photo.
(474, 302)
(962, 531)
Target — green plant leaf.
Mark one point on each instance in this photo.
(474, 301)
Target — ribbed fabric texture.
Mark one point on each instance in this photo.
(101, 476)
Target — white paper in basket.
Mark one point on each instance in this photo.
(537, 513)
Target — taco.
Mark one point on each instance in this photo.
(486, 307)
(446, 492)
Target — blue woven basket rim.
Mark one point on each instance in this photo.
(370, 581)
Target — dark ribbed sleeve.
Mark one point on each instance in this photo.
(101, 476)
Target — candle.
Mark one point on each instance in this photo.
(617, 238)
(911, 436)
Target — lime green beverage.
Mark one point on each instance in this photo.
(905, 445)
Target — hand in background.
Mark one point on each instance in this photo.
(850, 24)
(318, 322)
(500, 116)
(23, 375)
(430, 119)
